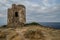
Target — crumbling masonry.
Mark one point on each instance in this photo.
(16, 16)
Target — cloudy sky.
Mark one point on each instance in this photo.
(36, 10)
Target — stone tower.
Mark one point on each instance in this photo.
(16, 15)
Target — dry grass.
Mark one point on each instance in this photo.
(32, 32)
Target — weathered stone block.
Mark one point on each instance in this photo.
(16, 15)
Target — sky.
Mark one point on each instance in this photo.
(36, 10)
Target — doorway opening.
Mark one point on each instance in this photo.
(16, 14)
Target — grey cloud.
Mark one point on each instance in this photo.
(35, 11)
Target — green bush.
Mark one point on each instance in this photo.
(33, 23)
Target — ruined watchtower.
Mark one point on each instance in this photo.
(16, 15)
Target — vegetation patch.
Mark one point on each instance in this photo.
(34, 35)
(33, 23)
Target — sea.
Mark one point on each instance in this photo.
(55, 25)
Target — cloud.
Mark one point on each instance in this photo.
(2, 15)
(49, 3)
(42, 9)
(36, 10)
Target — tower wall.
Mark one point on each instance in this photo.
(16, 15)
